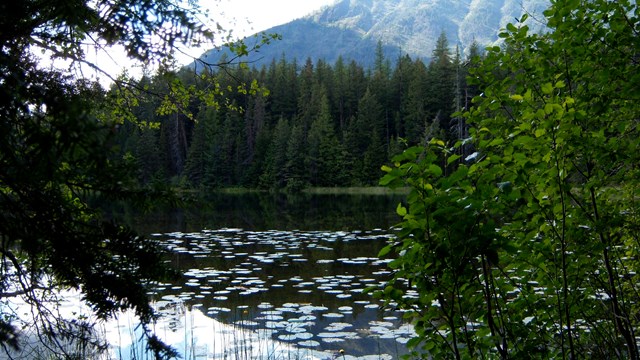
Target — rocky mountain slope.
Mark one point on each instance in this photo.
(352, 28)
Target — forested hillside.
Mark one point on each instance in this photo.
(320, 124)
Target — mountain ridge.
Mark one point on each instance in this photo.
(353, 28)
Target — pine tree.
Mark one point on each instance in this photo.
(283, 83)
(325, 160)
(442, 86)
(308, 103)
(366, 140)
(201, 146)
(274, 175)
(356, 87)
(295, 171)
(255, 128)
(415, 103)
(400, 79)
(340, 93)
(381, 89)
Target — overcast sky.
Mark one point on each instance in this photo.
(261, 14)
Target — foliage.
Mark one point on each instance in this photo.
(528, 247)
(60, 162)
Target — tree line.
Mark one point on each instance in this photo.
(313, 125)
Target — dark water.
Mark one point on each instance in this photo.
(265, 211)
(297, 266)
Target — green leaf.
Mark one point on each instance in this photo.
(523, 140)
(435, 170)
(401, 210)
(540, 132)
(388, 179)
(456, 176)
(429, 345)
(413, 342)
(385, 250)
(453, 158)
(549, 108)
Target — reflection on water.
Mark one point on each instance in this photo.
(266, 211)
(305, 287)
(295, 267)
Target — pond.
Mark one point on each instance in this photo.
(289, 271)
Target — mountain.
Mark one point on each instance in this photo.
(353, 28)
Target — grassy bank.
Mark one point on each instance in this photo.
(354, 190)
(361, 190)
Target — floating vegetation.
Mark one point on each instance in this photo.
(342, 335)
(303, 289)
(333, 315)
(309, 343)
(338, 326)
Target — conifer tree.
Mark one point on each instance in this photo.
(202, 145)
(340, 93)
(274, 175)
(401, 77)
(325, 159)
(415, 104)
(366, 140)
(441, 95)
(296, 174)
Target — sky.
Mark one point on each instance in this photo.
(242, 17)
(262, 14)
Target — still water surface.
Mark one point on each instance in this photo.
(293, 267)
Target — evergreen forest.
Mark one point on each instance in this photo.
(519, 232)
(307, 124)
